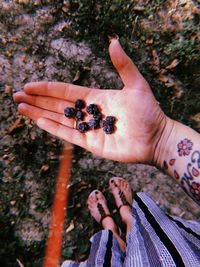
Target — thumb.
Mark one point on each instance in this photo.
(127, 70)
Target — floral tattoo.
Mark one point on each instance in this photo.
(184, 147)
(189, 179)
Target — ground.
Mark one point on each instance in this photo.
(68, 41)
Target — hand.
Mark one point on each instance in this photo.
(140, 121)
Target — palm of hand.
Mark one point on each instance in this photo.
(139, 118)
(138, 122)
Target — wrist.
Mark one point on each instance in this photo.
(165, 143)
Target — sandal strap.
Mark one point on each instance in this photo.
(122, 205)
(102, 212)
(123, 198)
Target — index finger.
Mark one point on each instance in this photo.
(60, 90)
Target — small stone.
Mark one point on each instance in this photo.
(13, 202)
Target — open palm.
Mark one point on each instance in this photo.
(140, 120)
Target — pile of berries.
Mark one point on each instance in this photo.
(95, 122)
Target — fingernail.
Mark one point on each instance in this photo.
(40, 122)
(21, 106)
(15, 95)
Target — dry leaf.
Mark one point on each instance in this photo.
(156, 61)
(17, 124)
(139, 8)
(44, 168)
(171, 81)
(167, 80)
(77, 76)
(20, 263)
(149, 41)
(173, 64)
(70, 227)
(8, 90)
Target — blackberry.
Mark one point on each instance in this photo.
(79, 115)
(92, 109)
(79, 104)
(83, 127)
(104, 123)
(69, 112)
(97, 116)
(110, 120)
(108, 129)
(94, 124)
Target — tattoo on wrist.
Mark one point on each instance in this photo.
(184, 147)
(172, 162)
(166, 165)
(189, 179)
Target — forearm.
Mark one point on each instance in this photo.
(178, 155)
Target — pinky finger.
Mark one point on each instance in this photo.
(68, 134)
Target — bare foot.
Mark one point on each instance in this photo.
(123, 199)
(100, 212)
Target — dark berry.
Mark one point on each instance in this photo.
(69, 112)
(79, 104)
(108, 129)
(83, 127)
(79, 115)
(92, 109)
(97, 116)
(104, 123)
(94, 124)
(110, 120)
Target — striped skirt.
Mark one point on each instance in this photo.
(155, 240)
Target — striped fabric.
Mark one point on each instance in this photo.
(155, 240)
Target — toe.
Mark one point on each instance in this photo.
(114, 182)
(94, 198)
(111, 183)
(124, 183)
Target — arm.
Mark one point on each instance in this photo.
(144, 134)
(178, 155)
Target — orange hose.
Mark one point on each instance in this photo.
(54, 243)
